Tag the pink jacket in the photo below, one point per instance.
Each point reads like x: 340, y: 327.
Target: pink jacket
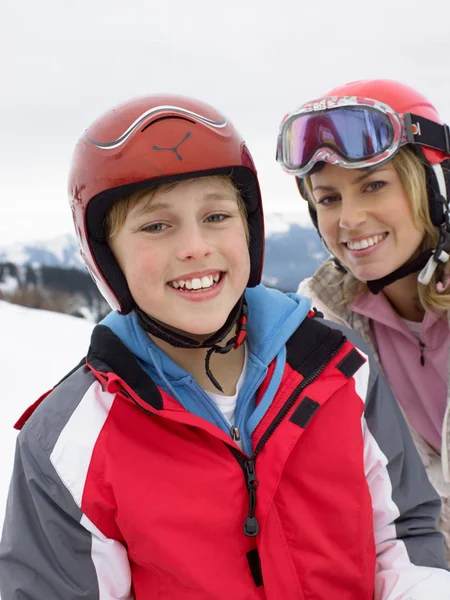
x: 415, y: 368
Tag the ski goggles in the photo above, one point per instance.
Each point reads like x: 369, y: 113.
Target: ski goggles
x: 352, y: 132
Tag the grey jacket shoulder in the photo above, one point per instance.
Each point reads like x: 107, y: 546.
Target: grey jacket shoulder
x: 52, y: 415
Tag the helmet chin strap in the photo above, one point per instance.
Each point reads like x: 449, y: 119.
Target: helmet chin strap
x: 238, y: 317
x: 376, y: 285
x: 427, y: 262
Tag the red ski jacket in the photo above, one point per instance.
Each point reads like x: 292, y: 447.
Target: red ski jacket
x: 131, y: 496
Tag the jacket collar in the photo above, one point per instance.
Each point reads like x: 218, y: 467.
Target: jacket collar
x: 107, y: 354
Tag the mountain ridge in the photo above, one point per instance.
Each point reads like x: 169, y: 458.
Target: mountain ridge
x: 293, y: 251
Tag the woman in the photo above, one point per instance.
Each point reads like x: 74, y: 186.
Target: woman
x: 372, y: 159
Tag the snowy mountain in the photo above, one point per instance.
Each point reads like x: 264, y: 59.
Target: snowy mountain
x: 58, y: 252
x: 293, y: 251
x: 291, y: 256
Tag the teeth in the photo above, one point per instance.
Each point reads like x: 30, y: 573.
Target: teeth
x: 197, y: 283
x: 366, y: 243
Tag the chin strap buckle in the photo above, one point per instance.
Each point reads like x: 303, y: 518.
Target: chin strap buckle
x: 427, y: 272
x: 439, y: 257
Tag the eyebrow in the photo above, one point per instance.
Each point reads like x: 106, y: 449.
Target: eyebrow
x: 367, y: 173
x: 150, y: 207
x: 217, y: 196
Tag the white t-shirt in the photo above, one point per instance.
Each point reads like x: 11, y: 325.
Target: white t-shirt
x: 414, y: 327
x: 227, y: 404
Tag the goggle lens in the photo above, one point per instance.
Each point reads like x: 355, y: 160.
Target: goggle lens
x: 356, y: 133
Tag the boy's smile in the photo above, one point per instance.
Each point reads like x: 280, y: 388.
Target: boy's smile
x: 184, y: 253
x: 197, y: 287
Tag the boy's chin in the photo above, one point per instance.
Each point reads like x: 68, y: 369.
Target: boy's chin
x: 201, y: 332
x: 200, y: 328
x: 192, y: 327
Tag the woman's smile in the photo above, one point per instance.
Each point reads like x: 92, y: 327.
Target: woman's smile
x: 365, y: 219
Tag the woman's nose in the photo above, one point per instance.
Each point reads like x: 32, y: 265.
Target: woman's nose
x: 353, y: 214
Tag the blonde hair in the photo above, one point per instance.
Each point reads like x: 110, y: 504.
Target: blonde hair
x: 117, y: 214
x: 411, y: 172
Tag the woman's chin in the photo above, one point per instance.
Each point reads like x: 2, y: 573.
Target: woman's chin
x: 366, y: 276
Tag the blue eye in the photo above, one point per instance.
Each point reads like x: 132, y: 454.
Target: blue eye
x: 155, y: 227
x: 217, y: 218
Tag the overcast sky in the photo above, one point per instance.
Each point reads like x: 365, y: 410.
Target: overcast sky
x: 64, y: 63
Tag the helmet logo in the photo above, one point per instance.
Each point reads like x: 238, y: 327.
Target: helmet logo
x: 175, y: 148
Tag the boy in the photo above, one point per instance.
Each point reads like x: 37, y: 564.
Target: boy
x: 218, y: 441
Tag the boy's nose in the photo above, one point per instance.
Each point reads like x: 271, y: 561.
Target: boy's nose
x: 193, y: 244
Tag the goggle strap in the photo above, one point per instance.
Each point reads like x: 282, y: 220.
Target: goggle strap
x: 425, y: 132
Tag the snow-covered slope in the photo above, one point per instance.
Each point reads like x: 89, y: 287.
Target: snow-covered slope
x: 37, y: 348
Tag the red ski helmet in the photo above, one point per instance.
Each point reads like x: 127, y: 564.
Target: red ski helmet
x: 139, y: 144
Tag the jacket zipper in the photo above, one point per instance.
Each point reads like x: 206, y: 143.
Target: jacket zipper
x: 422, y: 349
x: 251, y: 525
x: 235, y: 433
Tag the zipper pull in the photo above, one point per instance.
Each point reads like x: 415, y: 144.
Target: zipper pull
x: 251, y: 526
x: 235, y: 433
x: 422, y: 357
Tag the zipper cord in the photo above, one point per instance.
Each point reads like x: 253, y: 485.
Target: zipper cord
x: 251, y: 526
x: 422, y: 349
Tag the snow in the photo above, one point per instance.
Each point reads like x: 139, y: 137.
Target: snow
x: 9, y: 285
x: 59, y: 244
x: 37, y: 348
x: 15, y: 253
x: 281, y: 222
x: 63, y: 248
x: 270, y: 281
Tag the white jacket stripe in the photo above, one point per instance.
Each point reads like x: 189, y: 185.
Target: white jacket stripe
x: 73, y: 450
x: 111, y: 565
